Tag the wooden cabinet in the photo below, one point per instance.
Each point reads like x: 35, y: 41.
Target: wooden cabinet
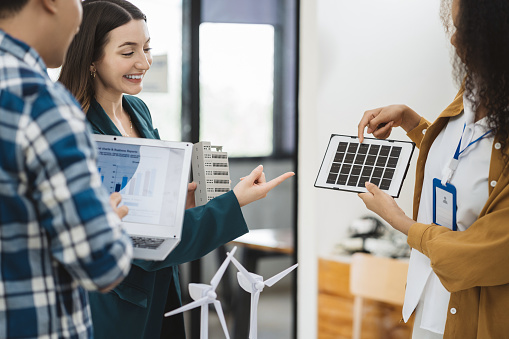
x: 335, y: 308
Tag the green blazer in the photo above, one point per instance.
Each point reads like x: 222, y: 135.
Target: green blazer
x: 135, y: 308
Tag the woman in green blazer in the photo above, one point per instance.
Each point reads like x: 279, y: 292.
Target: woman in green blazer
x: 107, y: 59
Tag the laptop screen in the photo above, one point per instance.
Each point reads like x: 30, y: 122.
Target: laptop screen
x: 147, y: 177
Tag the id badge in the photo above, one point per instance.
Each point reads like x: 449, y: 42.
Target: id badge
x: 444, y: 204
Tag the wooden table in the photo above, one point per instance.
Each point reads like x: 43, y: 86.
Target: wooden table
x: 270, y: 240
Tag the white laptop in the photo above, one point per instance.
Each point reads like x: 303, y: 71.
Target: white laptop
x: 152, y: 177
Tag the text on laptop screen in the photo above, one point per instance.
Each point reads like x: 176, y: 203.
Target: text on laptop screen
x: 147, y: 177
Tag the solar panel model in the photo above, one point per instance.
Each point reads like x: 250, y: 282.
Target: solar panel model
x: 348, y: 164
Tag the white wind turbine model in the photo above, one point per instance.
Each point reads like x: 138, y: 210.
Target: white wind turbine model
x: 254, y: 284
x: 203, y: 295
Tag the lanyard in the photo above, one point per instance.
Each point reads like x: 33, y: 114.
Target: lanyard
x: 458, y: 153
x: 453, y: 164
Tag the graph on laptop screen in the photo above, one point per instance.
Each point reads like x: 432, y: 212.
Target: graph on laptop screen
x: 140, y: 174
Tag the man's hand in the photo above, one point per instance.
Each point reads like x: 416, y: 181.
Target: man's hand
x: 111, y: 286
x: 255, y: 186
x: 115, y: 199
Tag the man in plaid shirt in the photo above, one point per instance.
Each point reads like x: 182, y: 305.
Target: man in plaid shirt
x: 59, y: 234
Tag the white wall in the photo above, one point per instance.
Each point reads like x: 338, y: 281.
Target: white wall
x: 355, y: 56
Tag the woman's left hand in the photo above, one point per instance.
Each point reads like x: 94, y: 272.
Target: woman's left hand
x: 191, y: 187
x: 384, y: 205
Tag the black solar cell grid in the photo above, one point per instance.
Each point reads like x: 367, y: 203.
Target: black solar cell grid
x: 355, y: 164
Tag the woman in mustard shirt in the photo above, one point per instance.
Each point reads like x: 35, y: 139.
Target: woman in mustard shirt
x: 104, y: 67
x: 458, y: 278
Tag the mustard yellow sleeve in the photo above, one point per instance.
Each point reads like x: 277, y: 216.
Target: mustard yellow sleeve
x: 475, y: 257
x: 417, y: 235
x: 416, y: 134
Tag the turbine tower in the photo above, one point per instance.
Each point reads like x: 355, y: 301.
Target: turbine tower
x: 254, y: 284
x: 203, y: 295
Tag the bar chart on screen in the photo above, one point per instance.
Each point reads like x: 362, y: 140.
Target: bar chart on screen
x: 139, y: 182
x: 129, y: 181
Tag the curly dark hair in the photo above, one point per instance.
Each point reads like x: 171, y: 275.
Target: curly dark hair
x: 481, y: 38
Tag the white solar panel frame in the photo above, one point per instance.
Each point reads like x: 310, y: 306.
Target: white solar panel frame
x: 407, y: 149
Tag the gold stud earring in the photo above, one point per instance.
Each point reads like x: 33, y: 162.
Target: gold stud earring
x: 92, y: 74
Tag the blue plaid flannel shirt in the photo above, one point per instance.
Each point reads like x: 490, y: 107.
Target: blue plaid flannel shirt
x: 58, y: 234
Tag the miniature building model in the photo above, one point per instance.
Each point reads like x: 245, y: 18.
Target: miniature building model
x: 210, y: 171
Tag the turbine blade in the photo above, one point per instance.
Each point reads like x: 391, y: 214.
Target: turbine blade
x: 219, y: 274
x: 187, y: 307
x: 197, y: 291
x: 243, y: 270
x: 279, y: 276
x: 244, y: 283
x: 220, y: 314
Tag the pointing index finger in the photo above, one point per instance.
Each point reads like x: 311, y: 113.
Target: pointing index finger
x: 362, y: 125
x: 366, y: 120
x: 276, y: 181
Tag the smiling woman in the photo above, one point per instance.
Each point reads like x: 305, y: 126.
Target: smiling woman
x: 104, y: 69
x: 117, y: 64
x: 120, y: 69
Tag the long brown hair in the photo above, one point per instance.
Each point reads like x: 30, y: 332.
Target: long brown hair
x: 99, y: 18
